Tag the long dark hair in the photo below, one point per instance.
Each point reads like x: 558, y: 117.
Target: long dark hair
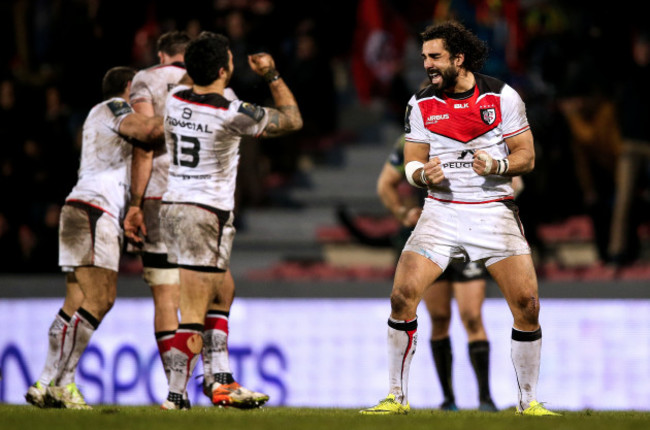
x: 459, y: 40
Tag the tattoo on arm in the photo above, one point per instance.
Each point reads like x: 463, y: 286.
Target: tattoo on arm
x: 273, y: 124
x: 282, y: 120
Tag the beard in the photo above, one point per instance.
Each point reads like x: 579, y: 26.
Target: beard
x: 449, y: 78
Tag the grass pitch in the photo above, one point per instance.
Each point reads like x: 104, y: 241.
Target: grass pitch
x: 281, y: 418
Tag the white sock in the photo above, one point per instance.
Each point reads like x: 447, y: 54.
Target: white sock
x: 402, y: 340
x: 55, y: 345
x: 215, y: 345
x: 80, y: 330
x: 163, y: 341
x: 185, y: 347
x: 526, y: 349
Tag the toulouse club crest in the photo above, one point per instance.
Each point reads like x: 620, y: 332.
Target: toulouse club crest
x: 488, y: 115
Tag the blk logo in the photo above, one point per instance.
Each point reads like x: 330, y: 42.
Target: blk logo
x: 463, y: 154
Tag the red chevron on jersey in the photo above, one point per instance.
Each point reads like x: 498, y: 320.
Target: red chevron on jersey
x: 462, y: 120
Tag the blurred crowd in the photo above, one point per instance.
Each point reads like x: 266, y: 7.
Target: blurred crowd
x: 582, y: 71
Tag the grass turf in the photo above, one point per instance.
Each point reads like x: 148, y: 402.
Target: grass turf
x: 281, y: 418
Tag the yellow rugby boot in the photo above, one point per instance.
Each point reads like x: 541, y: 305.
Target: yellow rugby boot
x: 387, y: 406
x: 535, y: 409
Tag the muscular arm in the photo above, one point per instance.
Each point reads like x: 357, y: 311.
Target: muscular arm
x: 142, y: 161
x: 521, y: 159
x: 148, y: 130
x: 522, y: 154
x: 141, y: 166
x: 387, y: 184
x: 432, y: 169
x: 144, y: 126
x: 285, y: 117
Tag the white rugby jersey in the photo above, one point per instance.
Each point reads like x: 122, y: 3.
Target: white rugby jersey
x: 202, y: 133
x: 105, y: 167
x: 455, y: 129
x: 152, y: 85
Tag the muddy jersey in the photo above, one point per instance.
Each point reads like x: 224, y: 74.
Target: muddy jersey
x: 455, y: 128
x: 152, y: 85
x: 105, y: 167
x: 202, y: 134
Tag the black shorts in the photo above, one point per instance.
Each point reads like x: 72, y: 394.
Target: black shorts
x: 463, y: 272
x: 156, y: 261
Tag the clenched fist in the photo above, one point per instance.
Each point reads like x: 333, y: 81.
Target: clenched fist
x: 432, y: 173
x: 261, y: 63
x: 484, y: 164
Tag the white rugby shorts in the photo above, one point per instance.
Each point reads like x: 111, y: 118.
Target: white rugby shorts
x: 198, y: 237
x: 487, y: 231
x: 88, y: 236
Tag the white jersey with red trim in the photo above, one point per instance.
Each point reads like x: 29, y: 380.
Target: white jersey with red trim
x: 153, y: 85
x: 202, y: 133
x: 455, y: 128
x: 105, y: 166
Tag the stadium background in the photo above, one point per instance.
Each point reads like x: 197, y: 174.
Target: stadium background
x: 309, y: 322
